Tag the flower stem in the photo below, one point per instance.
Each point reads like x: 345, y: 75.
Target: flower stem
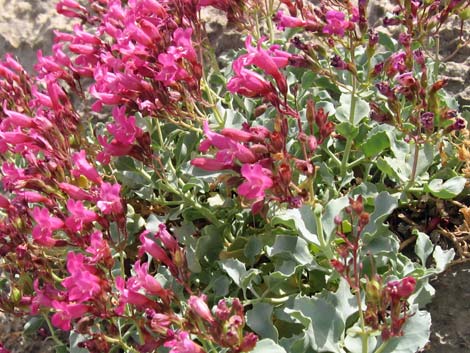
x: 349, y: 141
x: 317, y: 213
x: 52, y: 331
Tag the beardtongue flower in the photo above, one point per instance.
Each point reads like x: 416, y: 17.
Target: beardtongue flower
x: 109, y: 199
x: 182, y: 343
x: 248, y: 83
x: 199, y: 307
x: 82, y: 284
x: 257, y: 181
x: 336, y: 23
x: 46, y: 224
x: 79, y: 216
x: 66, y: 312
x: 84, y: 168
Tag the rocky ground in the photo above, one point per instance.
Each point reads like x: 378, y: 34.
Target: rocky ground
x: 27, y: 26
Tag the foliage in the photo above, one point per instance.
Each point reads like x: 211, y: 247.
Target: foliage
x: 158, y: 198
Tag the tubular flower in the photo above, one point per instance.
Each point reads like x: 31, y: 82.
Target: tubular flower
x: 257, y: 181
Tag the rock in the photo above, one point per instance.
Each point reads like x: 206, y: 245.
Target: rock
x: 27, y: 26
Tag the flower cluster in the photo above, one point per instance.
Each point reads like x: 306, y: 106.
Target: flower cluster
x: 387, y: 307
x: 268, y: 170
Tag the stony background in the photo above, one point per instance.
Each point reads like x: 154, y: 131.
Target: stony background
x: 27, y: 26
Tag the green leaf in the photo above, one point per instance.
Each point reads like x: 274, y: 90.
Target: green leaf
x: 235, y: 269
x: 384, y: 206
x: 353, y: 342
x: 361, y: 109
x: 343, y: 300
x: 210, y: 244
x: 442, y: 258
x: 416, y: 334
x: 375, y: 144
x: 292, y: 247
x: 387, y: 41
x: 260, y: 320
x: 423, y: 246
x: 332, y: 209
x: 448, y: 189
x: 32, y: 326
x: 347, y: 130
x: 268, y: 346
x: 324, y: 323
x: 303, y: 220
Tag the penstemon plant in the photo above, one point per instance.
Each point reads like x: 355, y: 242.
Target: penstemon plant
x: 157, y: 198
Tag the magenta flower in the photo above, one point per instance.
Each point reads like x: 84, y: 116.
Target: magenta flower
x: 248, y: 83
x: 84, y: 168
x: 210, y: 164
x: 45, y: 225
x: 270, y: 61
x: 258, y: 180
x: 155, y: 250
x: 66, y: 312
x: 336, y: 24
x: 82, y: 284
x: 124, y: 129
x: 199, y: 307
x: 75, y: 192
x: 181, y: 343
x: 144, y: 280
x: 284, y: 21
x: 213, y: 139
x: 79, y: 216
x: 99, y: 248
x: 166, y: 238
x: 110, y: 200
x: 129, y: 295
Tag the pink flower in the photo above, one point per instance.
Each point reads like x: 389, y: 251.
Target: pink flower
x: 110, y: 200
x: 82, y: 284
x: 284, y: 21
x: 210, y: 164
x: 45, y: 225
x: 248, y: 83
x: 199, y: 307
x: 124, y: 129
x: 84, y: 168
x: 213, y: 139
x: 129, y: 295
x: 258, y: 180
x: 144, y: 280
x: 151, y: 247
x: 166, y: 238
x: 336, y: 24
x: 268, y: 61
x: 181, y: 343
x: 79, y: 216
x: 99, y: 248
x: 74, y: 191
x: 66, y: 312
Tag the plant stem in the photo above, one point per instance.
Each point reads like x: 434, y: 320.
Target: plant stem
x: 364, y: 335
x: 352, y: 111
x: 317, y: 213
x: 349, y: 141
x: 123, y: 344
x: 382, y: 347
x: 51, y: 329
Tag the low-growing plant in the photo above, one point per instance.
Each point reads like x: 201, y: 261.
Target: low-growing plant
x: 158, y: 198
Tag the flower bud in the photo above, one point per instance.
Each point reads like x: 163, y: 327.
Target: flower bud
x: 199, y: 307
x: 406, y: 287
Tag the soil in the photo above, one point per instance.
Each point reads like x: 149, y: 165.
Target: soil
x: 449, y: 310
